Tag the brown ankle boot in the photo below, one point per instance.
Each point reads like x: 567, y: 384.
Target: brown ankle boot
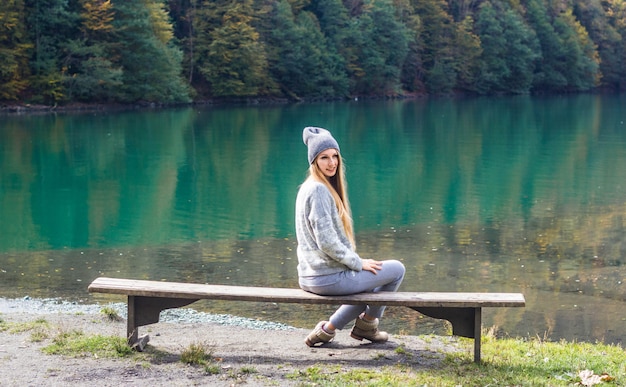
x: 319, y: 335
x: 364, y: 329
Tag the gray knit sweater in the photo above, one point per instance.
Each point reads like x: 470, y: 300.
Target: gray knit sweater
x: 323, y: 247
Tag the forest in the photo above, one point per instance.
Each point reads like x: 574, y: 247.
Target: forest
x: 57, y: 52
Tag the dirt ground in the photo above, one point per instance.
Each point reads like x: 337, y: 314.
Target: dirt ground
x: 244, y: 356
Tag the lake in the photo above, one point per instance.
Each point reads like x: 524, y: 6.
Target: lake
x: 511, y: 194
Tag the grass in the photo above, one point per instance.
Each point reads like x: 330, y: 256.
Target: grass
x: 201, y: 355
x: 70, y: 343
x: 22, y: 327
x: 196, y: 354
x: 247, y: 370
x: 506, y: 362
x: 111, y: 314
x: 39, y: 329
x: 77, y: 344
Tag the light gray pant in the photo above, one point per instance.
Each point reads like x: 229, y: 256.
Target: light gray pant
x: 347, y: 282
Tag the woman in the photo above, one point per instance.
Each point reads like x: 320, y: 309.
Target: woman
x: 327, y: 261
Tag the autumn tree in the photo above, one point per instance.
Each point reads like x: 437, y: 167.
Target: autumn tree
x: 14, y: 50
x: 231, y: 59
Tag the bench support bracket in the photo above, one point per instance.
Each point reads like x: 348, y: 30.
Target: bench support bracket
x: 146, y: 310
x: 466, y: 322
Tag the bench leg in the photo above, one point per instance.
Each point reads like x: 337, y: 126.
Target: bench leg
x: 466, y: 322
x: 477, y: 333
x: 144, y: 311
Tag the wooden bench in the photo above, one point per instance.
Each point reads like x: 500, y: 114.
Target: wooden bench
x: 146, y: 300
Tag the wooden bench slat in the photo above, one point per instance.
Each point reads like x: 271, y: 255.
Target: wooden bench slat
x: 146, y: 288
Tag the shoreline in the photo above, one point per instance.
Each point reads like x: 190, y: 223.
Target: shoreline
x: 19, y: 108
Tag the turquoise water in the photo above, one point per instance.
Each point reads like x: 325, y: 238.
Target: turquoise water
x: 513, y: 194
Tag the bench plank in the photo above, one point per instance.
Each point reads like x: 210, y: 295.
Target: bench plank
x: 146, y: 300
x: 291, y: 295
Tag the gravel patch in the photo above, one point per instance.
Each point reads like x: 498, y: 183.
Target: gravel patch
x: 179, y: 315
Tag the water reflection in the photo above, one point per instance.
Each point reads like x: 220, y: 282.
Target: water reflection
x: 513, y: 194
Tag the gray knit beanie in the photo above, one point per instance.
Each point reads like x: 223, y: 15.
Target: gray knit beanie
x: 318, y: 140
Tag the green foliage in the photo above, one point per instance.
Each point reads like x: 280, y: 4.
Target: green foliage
x: 467, y: 52
x: 88, y: 73
x: 580, y: 57
x: 14, y: 50
x: 382, y: 47
x: 51, y: 23
x: 151, y: 64
x: 604, y: 22
x: 58, y: 51
x: 616, y: 19
x: 521, y: 53
x: 412, y: 68
x: 494, y: 67
x: 302, y: 60
x: 550, y: 74
x: 437, y: 34
x: 235, y: 64
x: 510, y: 51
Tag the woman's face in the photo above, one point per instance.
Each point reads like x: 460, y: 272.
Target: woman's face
x: 328, y: 161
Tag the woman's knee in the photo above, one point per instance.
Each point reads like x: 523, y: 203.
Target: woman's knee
x: 395, y: 266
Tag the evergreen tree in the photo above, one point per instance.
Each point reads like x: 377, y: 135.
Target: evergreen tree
x: 437, y: 34
x: 333, y: 19
x: 90, y: 75
x: 14, y: 50
x: 233, y: 59
x: 521, y: 52
x: 461, y: 9
x: 467, y: 51
x: 338, y: 22
x: 602, y: 27
x: 494, y: 69
x: 143, y: 49
x: 182, y: 15
x: 510, y: 50
x: 412, y: 68
x: 579, y: 54
x: 382, y: 47
x: 52, y: 23
x: 618, y: 19
x: 551, y: 73
x: 303, y: 63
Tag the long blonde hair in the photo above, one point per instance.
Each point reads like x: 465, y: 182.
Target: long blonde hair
x: 338, y: 188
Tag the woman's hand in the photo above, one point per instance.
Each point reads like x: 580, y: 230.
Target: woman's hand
x: 371, y: 265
